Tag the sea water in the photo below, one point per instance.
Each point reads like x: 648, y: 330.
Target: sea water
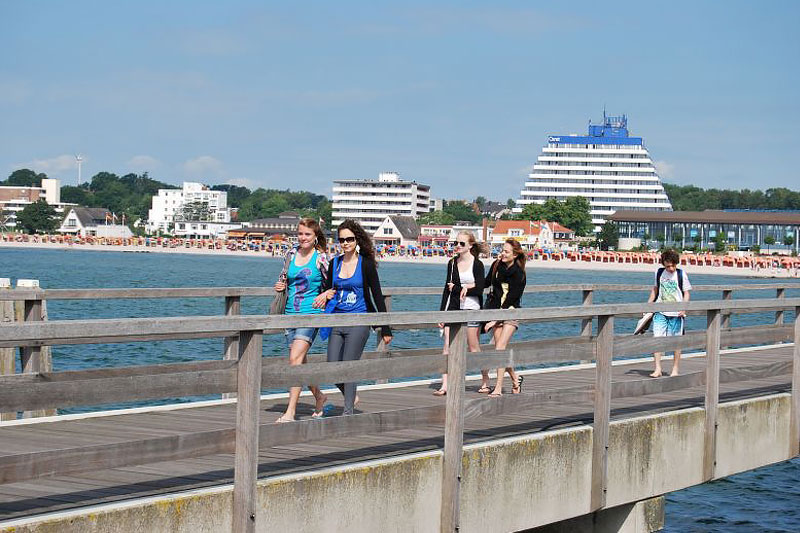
x: 767, y: 499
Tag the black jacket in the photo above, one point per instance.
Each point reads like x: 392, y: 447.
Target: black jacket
x: 373, y: 296
x: 516, y: 279
x: 453, y: 277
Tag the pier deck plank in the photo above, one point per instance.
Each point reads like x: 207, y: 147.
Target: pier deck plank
x: 103, y: 486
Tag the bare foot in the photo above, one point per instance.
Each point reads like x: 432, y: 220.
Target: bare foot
x: 356, y: 401
x: 320, y: 402
x: 484, y: 389
x: 284, y: 419
x: 495, y: 394
x: 673, y: 373
x: 656, y: 374
x: 440, y: 392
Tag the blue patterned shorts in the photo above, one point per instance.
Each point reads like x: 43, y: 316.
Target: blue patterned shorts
x: 667, y: 326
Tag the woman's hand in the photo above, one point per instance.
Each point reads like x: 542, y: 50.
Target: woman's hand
x: 279, y: 286
x: 450, y: 286
x: 464, y: 293
x: 387, y: 339
x: 322, y: 299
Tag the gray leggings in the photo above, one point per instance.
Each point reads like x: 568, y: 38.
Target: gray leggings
x: 347, y: 344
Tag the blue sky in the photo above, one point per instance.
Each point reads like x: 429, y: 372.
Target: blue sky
x: 459, y: 95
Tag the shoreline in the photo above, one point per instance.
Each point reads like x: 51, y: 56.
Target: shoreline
x: 533, y: 264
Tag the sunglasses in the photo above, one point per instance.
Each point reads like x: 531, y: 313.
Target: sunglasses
x: 460, y: 243
x: 343, y: 240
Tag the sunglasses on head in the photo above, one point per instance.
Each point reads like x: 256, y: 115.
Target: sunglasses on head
x: 460, y: 243
x: 343, y: 240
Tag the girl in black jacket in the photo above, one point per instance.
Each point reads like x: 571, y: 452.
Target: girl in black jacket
x: 352, y: 287
x: 463, y: 289
x: 506, y: 283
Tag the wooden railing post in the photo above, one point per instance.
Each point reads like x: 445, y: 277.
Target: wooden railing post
x: 381, y: 346
x: 31, y: 360
x: 794, y: 431
x: 8, y: 363
x: 780, y: 315
x: 247, y: 417
x: 726, y: 317
x: 454, y: 428
x: 602, y: 410
x: 233, y: 306
x: 712, y: 392
x: 586, y: 323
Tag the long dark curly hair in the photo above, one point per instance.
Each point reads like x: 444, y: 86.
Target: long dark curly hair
x: 364, y: 241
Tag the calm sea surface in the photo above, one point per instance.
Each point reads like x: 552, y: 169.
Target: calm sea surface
x: 765, y: 500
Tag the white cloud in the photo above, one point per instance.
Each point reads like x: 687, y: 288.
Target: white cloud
x: 52, y: 166
x: 665, y: 170
x: 143, y: 163
x: 204, y: 166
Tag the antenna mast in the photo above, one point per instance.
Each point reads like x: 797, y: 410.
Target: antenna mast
x: 79, y: 160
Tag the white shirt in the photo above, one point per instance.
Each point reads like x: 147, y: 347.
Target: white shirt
x: 468, y: 278
x: 668, y: 289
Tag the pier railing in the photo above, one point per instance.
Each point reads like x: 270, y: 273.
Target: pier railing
x: 248, y: 373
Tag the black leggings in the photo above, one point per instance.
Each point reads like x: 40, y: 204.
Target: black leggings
x: 347, y: 344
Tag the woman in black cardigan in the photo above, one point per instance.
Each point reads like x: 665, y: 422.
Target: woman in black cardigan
x: 463, y: 289
x: 506, y: 284
x: 352, y: 286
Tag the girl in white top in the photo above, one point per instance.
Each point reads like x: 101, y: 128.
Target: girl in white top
x: 463, y: 290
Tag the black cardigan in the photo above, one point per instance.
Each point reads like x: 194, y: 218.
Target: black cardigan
x: 369, y: 278
x: 516, y: 279
x: 453, y: 277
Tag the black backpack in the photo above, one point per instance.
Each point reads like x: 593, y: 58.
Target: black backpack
x: 658, y: 281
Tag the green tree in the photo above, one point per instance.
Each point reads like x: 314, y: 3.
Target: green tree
x: 437, y: 218
x: 769, y: 240
x: 720, y: 242
x: 788, y: 240
x: 38, y: 217
x: 510, y: 203
x: 24, y: 177
x: 461, y: 212
x: 574, y: 213
x: 480, y: 201
x: 236, y: 194
x: 76, y: 195
x: 609, y: 236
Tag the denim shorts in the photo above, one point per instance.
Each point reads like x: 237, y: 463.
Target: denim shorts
x: 304, y: 334
x: 667, y: 326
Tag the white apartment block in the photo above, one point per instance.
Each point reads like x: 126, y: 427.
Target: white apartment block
x: 14, y: 199
x: 370, y: 201
x: 168, y: 206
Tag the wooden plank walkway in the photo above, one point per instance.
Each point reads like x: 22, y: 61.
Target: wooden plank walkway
x: 103, y: 486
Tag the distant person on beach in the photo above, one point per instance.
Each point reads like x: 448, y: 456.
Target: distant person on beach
x: 671, y: 285
x: 305, y: 269
x: 352, y: 286
x: 463, y: 290
x: 506, y: 282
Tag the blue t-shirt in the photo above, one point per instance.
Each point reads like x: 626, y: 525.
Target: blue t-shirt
x: 304, y: 284
x: 349, y: 291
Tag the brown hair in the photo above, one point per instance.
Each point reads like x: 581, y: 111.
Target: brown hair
x: 475, y: 248
x: 519, y: 253
x: 670, y: 256
x: 363, y: 240
x: 322, y: 243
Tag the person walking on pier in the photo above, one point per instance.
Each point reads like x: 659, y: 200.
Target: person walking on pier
x: 463, y: 289
x: 671, y: 285
x: 506, y: 283
x: 352, y: 286
x: 305, y: 268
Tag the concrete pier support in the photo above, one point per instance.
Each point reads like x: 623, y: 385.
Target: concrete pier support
x: 646, y: 516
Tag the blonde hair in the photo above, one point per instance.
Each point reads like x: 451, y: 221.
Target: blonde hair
x: 475, y: 248
x: 321, y: 243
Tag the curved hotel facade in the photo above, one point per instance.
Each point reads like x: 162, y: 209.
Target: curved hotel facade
x: 608, y: 167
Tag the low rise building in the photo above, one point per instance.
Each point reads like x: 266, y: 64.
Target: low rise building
x: 203, y: 229
x: 14, y: 199
x: 531, y: 234
x: 283, y: 227
x: 192, y: 202
x: 397, y: 231
x: 94, y: 222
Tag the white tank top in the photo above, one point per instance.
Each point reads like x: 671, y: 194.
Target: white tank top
x: 468, y: 278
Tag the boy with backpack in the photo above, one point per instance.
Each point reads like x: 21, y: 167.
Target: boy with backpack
x: 671, y: 285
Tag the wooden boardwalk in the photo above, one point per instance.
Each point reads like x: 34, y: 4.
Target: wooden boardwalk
x: 111, y: 485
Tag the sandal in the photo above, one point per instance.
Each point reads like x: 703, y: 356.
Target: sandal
x: 485, y: 389
x: 516, y: 389
x: 495, y: 394
x: 440, y: 392
x: 283, y: 419
x: 327, y: 410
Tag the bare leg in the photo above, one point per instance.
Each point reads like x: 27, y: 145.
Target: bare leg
x: 445, y: 351
x: 501, y: 337
x: 474, y: 344
x: 657, y: 372
x: 676, y: 364
x: 298, y: 353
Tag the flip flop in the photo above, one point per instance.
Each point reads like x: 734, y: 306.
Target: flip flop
x: 283, y: 420
x: 327, y: 410
x: 495, y: 394
x: 485, y: 389
x: 516, y: 389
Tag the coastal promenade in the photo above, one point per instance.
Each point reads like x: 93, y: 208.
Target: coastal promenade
x: 581, y: 440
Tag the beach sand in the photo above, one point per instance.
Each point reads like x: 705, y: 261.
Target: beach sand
x: 534, y: 264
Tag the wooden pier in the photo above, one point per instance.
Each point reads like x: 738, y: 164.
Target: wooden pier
x: 60, y: 463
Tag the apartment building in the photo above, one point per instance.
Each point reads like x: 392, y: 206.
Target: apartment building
x: 193, y: 202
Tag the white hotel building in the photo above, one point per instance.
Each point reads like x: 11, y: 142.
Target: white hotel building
x: 168, y: 204
x: 607, y: 167
x: 370, y: 201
